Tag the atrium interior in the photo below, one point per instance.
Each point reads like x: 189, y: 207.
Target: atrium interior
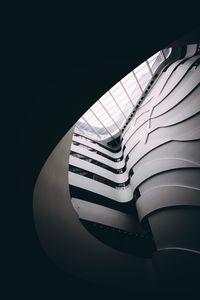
x: 124, y: 183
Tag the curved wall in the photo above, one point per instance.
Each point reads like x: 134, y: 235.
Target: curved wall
x: 166, y: 165
x: 162, y: 141
x: 167, y: 116
x: 68, y: 243
x: 162, y: 144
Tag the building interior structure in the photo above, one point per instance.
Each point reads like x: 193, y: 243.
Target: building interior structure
x: 116, y: 200
x: 135, y: 187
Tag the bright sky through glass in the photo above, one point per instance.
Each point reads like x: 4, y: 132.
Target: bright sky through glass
x: 107, y: 116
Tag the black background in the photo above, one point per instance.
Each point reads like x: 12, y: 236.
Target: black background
x: 53, y: 56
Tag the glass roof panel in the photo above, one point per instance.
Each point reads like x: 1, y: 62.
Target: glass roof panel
x: 107, y: 116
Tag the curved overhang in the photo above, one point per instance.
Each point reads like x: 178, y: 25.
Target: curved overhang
x: 68, y: 243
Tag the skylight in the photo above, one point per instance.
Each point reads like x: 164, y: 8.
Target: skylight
x: 107, y: 116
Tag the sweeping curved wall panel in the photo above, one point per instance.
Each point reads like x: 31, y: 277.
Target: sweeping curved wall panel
x: 174, y: 116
